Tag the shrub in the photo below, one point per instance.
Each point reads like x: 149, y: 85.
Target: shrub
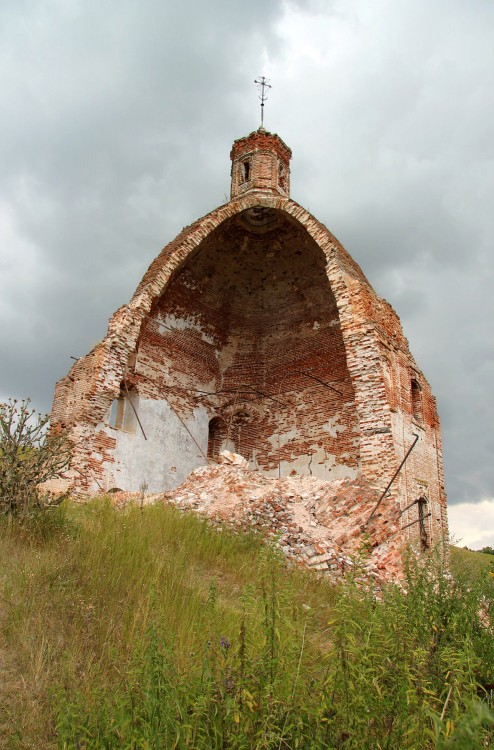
x: 30, y: 455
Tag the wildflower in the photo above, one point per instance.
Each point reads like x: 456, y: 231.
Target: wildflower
x: 225, y: 643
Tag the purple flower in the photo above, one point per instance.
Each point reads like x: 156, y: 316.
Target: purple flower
x: 225, y: 643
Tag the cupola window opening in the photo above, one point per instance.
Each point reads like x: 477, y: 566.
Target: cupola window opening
x: 245, y: 171
x: 281, y: 175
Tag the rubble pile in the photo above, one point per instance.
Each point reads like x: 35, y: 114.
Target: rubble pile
x: 319, y: 524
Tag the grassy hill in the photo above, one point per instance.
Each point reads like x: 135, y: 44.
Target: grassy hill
x: 469, y: 564
x: 148, y: 628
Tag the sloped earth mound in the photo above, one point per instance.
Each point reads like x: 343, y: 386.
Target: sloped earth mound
x: 318, y: 524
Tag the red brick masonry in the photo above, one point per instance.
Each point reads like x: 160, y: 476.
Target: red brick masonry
x: 255, y: 331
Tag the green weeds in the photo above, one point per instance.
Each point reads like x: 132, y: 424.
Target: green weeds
x: 148, y: 628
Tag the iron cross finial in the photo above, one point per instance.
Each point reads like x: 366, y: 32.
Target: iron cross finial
x: 262, y: 85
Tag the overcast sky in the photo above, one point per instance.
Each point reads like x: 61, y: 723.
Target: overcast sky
x: 116, y: 121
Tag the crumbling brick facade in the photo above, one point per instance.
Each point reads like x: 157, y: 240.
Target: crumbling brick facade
x: 255, y: 331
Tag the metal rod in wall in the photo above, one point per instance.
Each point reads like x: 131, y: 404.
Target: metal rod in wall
x: 407, y: 507
x: 393, y: 478
x: 417, y: 520
x: 133, y: 408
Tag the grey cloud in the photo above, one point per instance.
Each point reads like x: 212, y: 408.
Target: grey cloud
x: 110, y: 116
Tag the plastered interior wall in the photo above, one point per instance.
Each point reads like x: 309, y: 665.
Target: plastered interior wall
x: 244, y: 333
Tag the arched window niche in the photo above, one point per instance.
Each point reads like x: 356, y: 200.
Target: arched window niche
x: 282, y: 176
x: 245, y: 171
x: 233, y: 433
x: 123, y: 411
x: 417, y: 405
x: 424, y: 514
x: 217, y: 435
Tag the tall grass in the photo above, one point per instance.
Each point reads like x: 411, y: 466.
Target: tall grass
x: 148, y: 628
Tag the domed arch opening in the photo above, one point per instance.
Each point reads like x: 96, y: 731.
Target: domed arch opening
x: 249, y: 324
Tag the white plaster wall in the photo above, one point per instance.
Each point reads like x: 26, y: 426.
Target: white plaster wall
x: 167, y: 456
x: 318, y: 464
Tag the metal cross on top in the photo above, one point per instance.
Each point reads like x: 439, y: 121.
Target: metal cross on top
x: 262, y: 85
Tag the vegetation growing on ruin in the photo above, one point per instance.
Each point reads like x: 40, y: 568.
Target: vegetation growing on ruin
x: 147, y: 628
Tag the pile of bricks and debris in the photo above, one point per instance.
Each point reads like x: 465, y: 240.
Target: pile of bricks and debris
x: 318, y: 524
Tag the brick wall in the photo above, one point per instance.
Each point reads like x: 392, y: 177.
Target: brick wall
x: 255, y: 330
x: 261, y: 161
x: 252, y: 320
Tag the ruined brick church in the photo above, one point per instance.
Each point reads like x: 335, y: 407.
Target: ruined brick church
x: 255, y: 331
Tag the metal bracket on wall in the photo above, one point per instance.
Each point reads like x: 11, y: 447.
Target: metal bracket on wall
x: 417, y: 520
x: 410, y: 505
x: 422, y: 504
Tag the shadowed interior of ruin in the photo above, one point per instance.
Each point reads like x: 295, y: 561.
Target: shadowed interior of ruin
x: 247, y: 329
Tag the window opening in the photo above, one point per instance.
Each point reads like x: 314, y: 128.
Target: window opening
x: 117, y: 407
x: 123, y: 411
x: 424, y: 539
x: 245, y: 173
x: 281, y: 176
x: 416, y: 401
x: 216, y: 437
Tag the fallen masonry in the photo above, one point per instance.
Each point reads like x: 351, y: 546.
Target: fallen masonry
x: 318, y: 524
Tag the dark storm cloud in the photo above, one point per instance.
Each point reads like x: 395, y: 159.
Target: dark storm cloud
x: 116, y: 125
x: 111, y: 119
x: 393, y: 150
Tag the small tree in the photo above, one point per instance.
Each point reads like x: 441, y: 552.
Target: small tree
x: 30, y: 454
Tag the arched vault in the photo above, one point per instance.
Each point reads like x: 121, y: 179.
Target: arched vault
x: 253, y: 330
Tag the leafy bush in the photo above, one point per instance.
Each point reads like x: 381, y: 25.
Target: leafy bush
x: 30, y: 455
